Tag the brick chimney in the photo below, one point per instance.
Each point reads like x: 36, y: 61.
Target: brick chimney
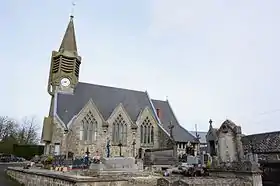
x: 158, y: 113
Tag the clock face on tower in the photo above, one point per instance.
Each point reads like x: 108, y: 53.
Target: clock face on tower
x: 65, y: 82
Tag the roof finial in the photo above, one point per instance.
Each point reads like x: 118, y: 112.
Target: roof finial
x: 72, y: 10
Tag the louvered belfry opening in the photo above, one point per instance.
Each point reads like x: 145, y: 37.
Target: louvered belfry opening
x: 77, y: 68
x: 56, y: 62
x: 66, y: 65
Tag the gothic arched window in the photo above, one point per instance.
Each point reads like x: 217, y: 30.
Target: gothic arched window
x: 152, y: 134
x: 89, y: 128
x: 142, y: 134
x: 119, y: 131
x: 147, y: 132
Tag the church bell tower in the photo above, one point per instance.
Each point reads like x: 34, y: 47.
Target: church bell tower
x: 63, y: 77
x: 65, y: 64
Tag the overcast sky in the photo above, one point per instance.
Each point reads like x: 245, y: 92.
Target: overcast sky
x: 213, y: 59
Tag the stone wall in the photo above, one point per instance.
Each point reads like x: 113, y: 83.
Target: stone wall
x: 207, y: 181
x: 248, y: 178
x: 35, y: 177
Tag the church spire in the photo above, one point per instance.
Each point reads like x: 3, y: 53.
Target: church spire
x: 65, y: 63
x: 69, y: 40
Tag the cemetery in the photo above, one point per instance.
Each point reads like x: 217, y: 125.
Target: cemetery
x: 158, y: 167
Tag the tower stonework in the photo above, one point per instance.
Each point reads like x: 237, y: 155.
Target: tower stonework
x: 65, y: 64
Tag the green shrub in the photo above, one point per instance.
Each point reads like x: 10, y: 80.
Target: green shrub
x: 48, y: 160
x: 208, y: 165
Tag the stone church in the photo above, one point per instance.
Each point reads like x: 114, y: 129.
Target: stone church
x: 86, y: 116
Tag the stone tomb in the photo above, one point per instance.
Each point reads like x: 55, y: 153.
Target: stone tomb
x: 159, y: 157
x: 114, y: 167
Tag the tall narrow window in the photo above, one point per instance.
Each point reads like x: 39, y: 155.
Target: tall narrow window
x: 125, y: 133
x: 152, y: 134
x: 141, y: 134
x: 81, y: 132
x: 114, y: 132
x: 89, y: 125
x: 90, y: 131
x: 95, y: 131
x: 85, y: 130
x: 147, y: 132
x: 119, y: 131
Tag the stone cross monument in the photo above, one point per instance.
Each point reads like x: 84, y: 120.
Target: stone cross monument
x: 171, y: 127
x: 108, y: 148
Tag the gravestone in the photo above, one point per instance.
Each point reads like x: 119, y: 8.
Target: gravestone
x: 120, y: 164
x: 159, y: 157
x: 192, y: 160
x: 229, y: 142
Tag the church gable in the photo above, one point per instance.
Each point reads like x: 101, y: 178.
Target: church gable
x: 148, y: 128
x: 120, y: 126
x: 120, y: 111
x: 89, y: 123
x: 146, y: 112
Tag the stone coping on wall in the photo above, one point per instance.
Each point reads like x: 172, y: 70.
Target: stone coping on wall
x: 72, y: 177
x: 234, y: 171
x: 202, y: 181
x: 151, y: 180
x: 15, y: 163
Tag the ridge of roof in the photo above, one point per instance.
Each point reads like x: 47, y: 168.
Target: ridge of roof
x: 264, y: 133
x: 154, y: 111
x: 113, y: 87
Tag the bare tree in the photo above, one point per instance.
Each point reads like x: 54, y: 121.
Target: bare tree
x: 8, y: 127
x: 28, y: 131
x: 24, y: 132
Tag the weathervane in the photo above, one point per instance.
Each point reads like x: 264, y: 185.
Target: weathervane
x: 72, y: 10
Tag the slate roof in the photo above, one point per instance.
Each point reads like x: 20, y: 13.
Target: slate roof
x: 166, y: 115
x: 105, y: 98
x: 202, y: 136
x: 262, y: 143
